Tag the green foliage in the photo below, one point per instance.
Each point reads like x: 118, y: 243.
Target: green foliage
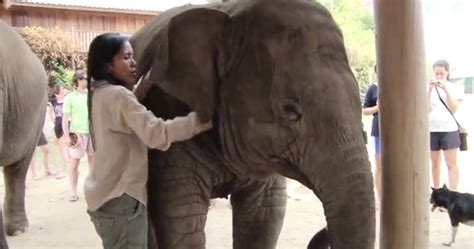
x: 55, y: 50
x: 62, y: 75
x: 357, y: 24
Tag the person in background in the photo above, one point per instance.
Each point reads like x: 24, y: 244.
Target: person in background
x: 75, y: 120
x: 122, y: 130
x: 371, y: 108
x: 43, y: 144
x: 444, y: 132
x: 56, y: 115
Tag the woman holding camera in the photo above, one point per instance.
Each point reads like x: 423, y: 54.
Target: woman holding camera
x: 444, y: 131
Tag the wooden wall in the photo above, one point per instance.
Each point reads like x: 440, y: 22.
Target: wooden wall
x: 81, y: 25
x: 74, y: 19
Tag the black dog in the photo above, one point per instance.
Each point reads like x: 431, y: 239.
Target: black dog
x: 460, y: 208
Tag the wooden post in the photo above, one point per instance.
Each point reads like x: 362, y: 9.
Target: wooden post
x: 403, y: 105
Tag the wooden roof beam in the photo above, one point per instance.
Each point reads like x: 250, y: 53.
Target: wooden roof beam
x: 65, y: 7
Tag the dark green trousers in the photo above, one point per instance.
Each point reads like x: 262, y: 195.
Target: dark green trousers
x: 121, y: 223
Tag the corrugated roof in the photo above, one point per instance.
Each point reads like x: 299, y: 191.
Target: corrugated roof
x: 134, y: 5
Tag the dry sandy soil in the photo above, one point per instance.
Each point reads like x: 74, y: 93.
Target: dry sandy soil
x: 57, y: 223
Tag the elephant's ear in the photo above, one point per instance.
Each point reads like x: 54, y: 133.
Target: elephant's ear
x: 187, y: 68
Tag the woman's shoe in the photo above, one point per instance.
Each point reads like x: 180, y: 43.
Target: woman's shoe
x: 73, y: 198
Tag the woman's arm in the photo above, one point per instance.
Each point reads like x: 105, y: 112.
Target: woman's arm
x: 143, y: 85
x: 370, y: 110
x: 430, y: 107
x: 156, y: 132
x: 51, y: 112
x: 65, y: 125
x: 451, y: 101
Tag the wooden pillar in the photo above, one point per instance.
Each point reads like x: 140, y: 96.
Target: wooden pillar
x: 404, y: 124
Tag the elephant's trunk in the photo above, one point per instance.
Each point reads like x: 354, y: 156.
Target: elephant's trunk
x: 345, y: 187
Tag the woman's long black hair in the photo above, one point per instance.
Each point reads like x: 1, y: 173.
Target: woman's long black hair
x: 101, y: 52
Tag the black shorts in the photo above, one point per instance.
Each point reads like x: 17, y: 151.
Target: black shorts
x: 58, y: 131
x: 42, y: 140
x: 444, y: 140
x: 58, y: 128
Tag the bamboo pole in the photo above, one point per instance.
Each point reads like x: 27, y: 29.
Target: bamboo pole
x: 404, y: 124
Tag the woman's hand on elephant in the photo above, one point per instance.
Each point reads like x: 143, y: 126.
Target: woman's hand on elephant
x: 201, y: 126
x: 205, y: 126
x: 143, y: 85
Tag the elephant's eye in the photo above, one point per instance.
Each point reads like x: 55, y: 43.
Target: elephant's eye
x: 292, y: 110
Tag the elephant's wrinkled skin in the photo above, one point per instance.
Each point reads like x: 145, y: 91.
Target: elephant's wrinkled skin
x: 274, y: 77
x: 23, y: 102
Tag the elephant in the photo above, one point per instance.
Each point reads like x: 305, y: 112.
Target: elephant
x: 274, y: 78
x: 23, y: 102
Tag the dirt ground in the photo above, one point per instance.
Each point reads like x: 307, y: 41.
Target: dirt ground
x: 57, y: 223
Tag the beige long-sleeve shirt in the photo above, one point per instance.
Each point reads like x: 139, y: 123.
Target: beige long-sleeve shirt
x: 123, y: 129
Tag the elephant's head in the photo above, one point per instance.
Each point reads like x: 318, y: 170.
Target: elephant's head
x: 275, y: 76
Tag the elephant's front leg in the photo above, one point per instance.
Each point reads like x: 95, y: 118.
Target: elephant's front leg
x: 258, y: 211
x: 16, y: 221
x: 177, y: 203
x: 3, y: 240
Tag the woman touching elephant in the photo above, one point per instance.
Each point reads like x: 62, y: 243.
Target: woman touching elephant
x: 121, y: 130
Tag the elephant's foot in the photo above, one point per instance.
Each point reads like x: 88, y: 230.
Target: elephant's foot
x: 16, y: 226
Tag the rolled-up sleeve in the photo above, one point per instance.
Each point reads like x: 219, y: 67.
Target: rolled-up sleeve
x: 152, y: 131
